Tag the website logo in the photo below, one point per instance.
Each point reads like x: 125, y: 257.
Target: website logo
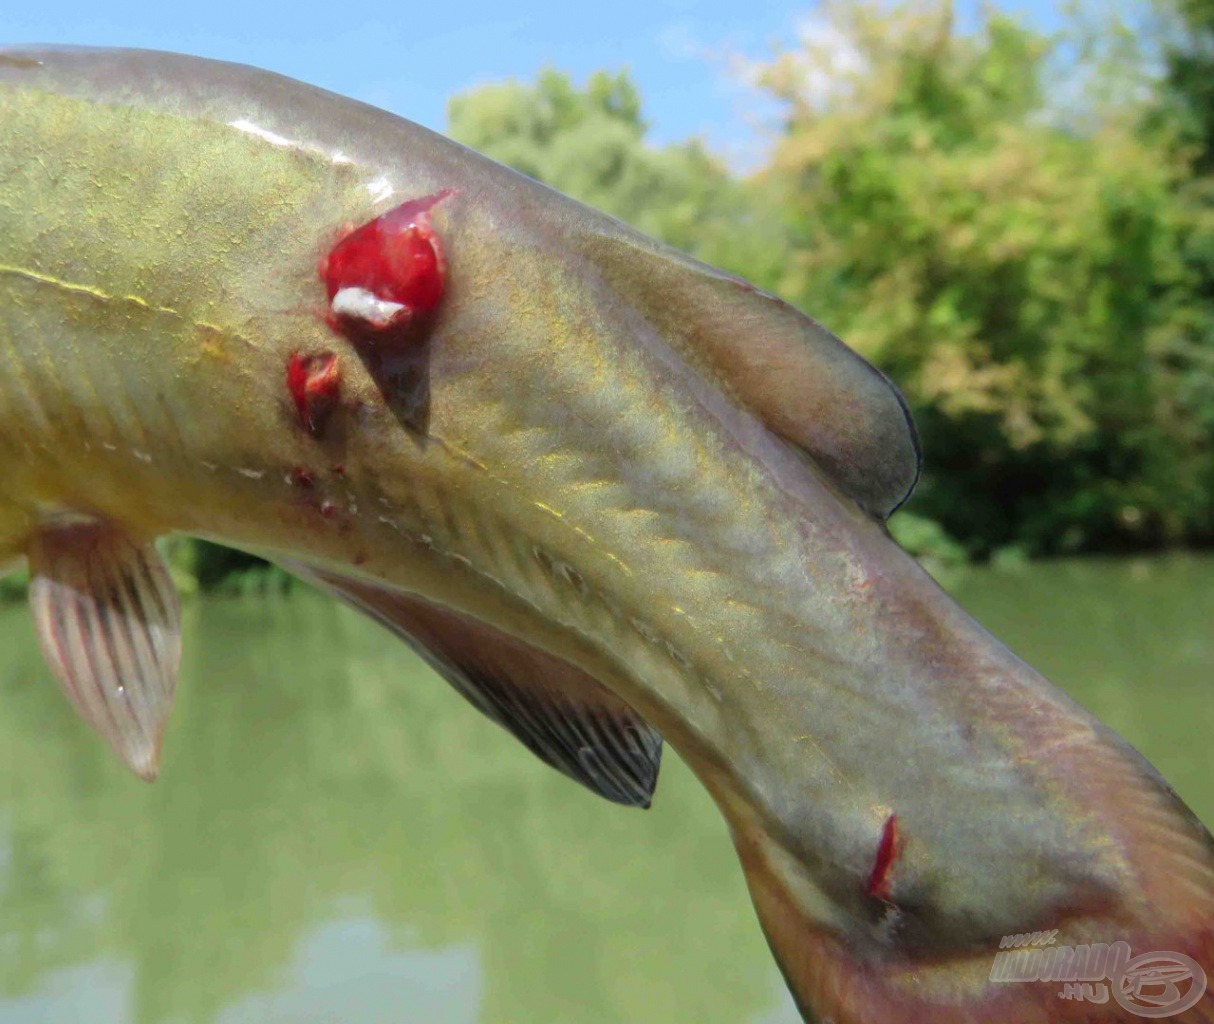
x: 1153, y: 985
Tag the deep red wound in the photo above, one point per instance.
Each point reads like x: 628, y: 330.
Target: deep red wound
x: 396, y: 258
x: 879, y: 883
x: 314, y: 383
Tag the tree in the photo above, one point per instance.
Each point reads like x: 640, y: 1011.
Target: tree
x: 1189, y: 82
x: 1019, y: 272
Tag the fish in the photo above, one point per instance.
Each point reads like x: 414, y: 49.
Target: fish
x: 617, y: 498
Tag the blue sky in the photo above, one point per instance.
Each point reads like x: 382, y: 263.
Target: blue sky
x: 410, y: 57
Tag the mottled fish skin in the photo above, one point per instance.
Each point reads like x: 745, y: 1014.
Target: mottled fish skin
x: 584, y: 479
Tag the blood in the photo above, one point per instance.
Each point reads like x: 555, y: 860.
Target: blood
x: 302, y: 478
x: 314, y: 382
x: 878, y: 885
x: 396, y: 258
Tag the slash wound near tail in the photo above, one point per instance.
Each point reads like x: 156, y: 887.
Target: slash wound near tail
x: 879, y: 884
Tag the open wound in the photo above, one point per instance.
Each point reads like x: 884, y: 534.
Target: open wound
x: 385, y: 276
x: 880, y: 882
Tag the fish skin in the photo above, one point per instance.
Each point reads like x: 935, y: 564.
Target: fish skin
x: 161, y: 219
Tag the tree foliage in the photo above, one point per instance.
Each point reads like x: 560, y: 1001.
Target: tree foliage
x: 1022, y: 277
x: 590, y: 143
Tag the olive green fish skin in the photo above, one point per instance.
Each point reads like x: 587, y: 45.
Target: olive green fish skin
x: 579, y: 482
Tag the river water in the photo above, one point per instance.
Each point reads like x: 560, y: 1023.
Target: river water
x: 336, y: 837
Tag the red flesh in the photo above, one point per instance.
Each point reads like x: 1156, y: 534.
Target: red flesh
x: 878, y: 885
x: 398, y: 258
x: 314, y: 383
x: 302, y: 478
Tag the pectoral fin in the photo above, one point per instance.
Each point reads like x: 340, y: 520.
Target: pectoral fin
x: 564, y: 716
x: 790, y: 371
x: 109, y: 622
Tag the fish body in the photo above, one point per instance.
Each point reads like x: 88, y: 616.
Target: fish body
x: 611, y: 493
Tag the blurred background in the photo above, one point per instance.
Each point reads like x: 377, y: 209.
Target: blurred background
x: 1008, y: 207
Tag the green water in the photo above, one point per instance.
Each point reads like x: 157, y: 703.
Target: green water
x: 337, y: 838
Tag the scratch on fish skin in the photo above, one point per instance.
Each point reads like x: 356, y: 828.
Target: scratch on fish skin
x: 93, y: 292
x: 888, y: 848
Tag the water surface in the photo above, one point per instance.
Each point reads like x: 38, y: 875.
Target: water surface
x: 337, y: 837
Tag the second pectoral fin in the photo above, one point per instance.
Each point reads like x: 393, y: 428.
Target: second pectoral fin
x: 109, y: 624
x: 564, y: 716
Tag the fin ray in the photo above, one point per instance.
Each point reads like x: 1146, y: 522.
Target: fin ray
x: 109, y: 623
x: 562, y: 715
x: 802, y: 381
